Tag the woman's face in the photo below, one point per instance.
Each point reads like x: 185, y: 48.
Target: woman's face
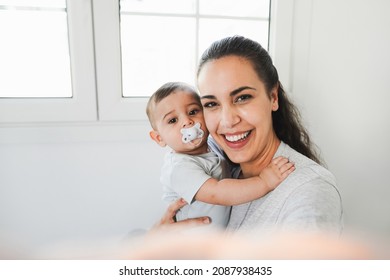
x: 238, y: 109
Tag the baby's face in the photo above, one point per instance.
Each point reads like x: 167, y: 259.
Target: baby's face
x: 177, y: 111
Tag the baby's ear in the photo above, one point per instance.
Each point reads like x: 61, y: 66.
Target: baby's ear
x: 156, y: 137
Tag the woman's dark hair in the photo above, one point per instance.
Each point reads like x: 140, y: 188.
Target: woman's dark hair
x: 286, y: 120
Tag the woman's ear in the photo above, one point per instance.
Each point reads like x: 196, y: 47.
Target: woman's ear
x: 156, y: 137
x: 275, y: 98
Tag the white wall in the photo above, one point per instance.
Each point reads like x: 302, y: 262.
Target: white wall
x: 96, y: 180
x: 75, y: 182
x: 341, y: 81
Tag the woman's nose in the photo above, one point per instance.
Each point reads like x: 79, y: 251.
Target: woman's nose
x: 229, y: 118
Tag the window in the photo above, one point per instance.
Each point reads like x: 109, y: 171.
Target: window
x: 164, y: 39
x: 47, y: 62
x: 34, y: 35
x: 117, y: 52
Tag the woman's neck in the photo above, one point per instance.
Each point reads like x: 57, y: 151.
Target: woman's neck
x: 254, y: 167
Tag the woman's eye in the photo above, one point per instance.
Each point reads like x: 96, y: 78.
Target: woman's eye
x: 243, y: 98
x: 209, y: 104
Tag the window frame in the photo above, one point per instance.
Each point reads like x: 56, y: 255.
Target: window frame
x: 280, y: 39
x: 112, y: 105
x: 82, y: 105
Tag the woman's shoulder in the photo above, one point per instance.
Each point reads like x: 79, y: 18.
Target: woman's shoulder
x: 306, y: 169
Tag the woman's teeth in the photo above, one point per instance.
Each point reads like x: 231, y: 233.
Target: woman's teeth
x: 238, y: 137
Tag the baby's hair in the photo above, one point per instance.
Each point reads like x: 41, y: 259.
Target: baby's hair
x: 166, y: 90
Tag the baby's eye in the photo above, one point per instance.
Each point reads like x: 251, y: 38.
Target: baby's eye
x: 193, y: 112
x: 243, y: 98
x: 172, y: 121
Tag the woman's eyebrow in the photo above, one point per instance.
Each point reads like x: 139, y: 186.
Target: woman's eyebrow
x: 232, y: 93
x: 238, y: 90
x: 208, y: 97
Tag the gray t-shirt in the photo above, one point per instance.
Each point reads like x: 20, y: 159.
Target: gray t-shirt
x: 183, y: 175
x: 307, y: 199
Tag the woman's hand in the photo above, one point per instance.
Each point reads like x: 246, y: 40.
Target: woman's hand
x: 168, y: 221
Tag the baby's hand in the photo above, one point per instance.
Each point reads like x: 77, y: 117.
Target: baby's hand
x: 276, y: 172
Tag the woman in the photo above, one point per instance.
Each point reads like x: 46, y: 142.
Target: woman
x: 252, y: 121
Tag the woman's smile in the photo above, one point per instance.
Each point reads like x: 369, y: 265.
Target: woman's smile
x: 237, y: 140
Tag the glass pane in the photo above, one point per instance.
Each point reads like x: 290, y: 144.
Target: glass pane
x: 156, y: 50
x: 242, y: 8
x: 34, y: 53
x: 215, y: 29
x: 158, y: 6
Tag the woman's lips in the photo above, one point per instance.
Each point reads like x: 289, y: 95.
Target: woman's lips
x: 237, y: 140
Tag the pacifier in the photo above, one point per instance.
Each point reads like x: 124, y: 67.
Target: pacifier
x: 191, y: 133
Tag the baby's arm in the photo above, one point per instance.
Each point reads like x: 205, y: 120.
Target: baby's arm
x: 237, y: 191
